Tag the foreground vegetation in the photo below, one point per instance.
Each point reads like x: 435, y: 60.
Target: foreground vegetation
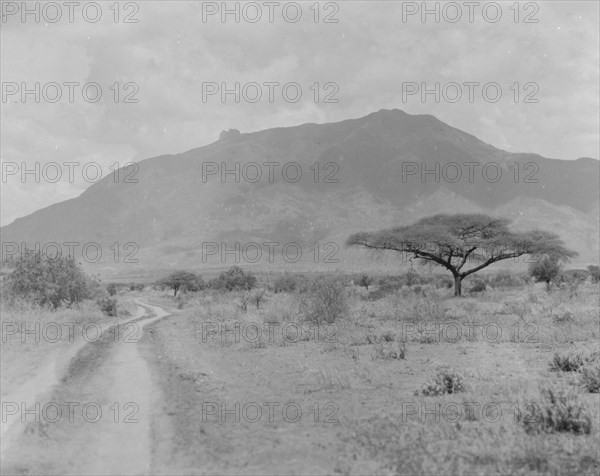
x: 417, y: 380
x: 392, y: 374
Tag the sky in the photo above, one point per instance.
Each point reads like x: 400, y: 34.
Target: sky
x: 122, y: 82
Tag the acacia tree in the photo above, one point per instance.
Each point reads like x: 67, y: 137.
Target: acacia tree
x: 453, y: 240
x: 182, y: 280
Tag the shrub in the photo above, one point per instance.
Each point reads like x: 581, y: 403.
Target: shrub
x: 258, y: 297
x: 504, y: 279
x: 572, y: 361
x: 234, y: 279
x: 562, y: 317
x: 388, y: 353
x: 50, y: 281
x: 546, y: 269
x: 590, y: 376
x: 478, y: 286
x: 139, y: 286
x: 364, y: 280
x: 108, y: 306
x: 386, y: 285
x: 111, y: 288
x: 324, y: 301
x: 594, y: 271
x: 446, y: 382
x: 559, y: 411
x: 286, y: 283
x: 444, y: 282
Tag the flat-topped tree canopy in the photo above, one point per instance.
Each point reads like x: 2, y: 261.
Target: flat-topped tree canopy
x: 453, y: 240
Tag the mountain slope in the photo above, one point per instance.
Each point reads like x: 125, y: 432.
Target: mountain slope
x: 379, y: 170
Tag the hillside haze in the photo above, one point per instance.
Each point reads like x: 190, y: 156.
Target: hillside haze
x: 385, y: 169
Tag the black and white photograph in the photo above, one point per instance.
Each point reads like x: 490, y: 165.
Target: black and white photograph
x: 311, y: 237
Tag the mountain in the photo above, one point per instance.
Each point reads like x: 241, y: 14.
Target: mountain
x: 381, y: 170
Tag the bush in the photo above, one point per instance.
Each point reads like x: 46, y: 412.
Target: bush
x: 546, y: 269
x: 386, y: 285
x: 504, y: 279
x: 364, y: 280
x: 446, y: 382
x: 234, y: 279
x: 444, y: 282
x: 388, y: 353
x: 478, y: 285
x: 558, y: 411
x: 594, y: 272
x: 111, y: 288
x: 324, y: 301
x: 572, y: 361
x: 286, y: 283
x: 138, y: 286
x: 108, y: 306
x: 50, y: 281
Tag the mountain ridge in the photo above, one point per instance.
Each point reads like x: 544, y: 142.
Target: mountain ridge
x: 370, y: 162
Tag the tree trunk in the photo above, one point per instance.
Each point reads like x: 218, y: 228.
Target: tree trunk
x: 457, y: 285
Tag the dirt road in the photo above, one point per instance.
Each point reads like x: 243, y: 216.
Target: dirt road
x: 110, y: 376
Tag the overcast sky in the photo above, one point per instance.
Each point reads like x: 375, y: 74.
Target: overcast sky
x: 370, y: 56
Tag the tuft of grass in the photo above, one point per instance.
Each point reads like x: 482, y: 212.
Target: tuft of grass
x: 558, y: 411
x: 447, y: 381
x: 389, y: 353
x: 590, y: 376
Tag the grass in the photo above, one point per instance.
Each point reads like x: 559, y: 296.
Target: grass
x: 559, y: 410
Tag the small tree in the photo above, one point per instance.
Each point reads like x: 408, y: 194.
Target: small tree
x: 183, y: 280
x: 234, y: 279
x: 594, y: 271
x: 111, y: 288
x: 364, y: 280
x: 452, y: 240
x: 52, y: 281
x: 546, y: 269
x: 324, y: 300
